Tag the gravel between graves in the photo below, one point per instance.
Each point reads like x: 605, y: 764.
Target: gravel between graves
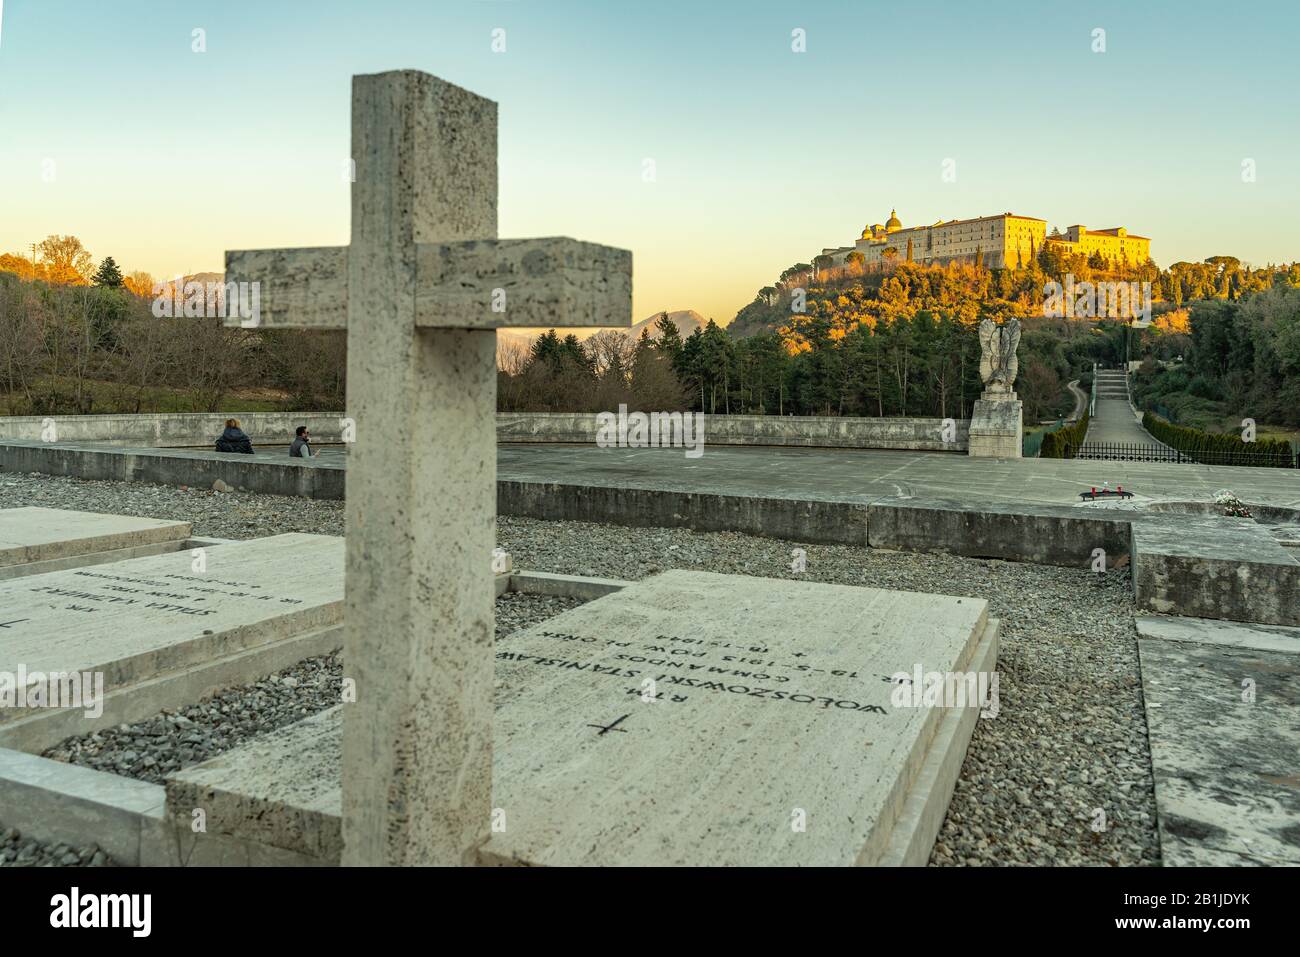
x: 19, y: 851
x: 151, y: 749
x: 1061, y: 776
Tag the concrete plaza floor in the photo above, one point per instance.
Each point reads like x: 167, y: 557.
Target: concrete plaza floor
x: 870, y: 475
x: 854, y: 475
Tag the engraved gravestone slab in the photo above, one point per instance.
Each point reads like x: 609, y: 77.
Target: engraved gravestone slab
x: 134, y: 620
x: 696, y: 718
x: 34, y: 534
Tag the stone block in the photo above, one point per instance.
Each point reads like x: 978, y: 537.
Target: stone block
x: 1214, y: 567
x: 33, y: 535
x: 58, y: 802
x: 282, y: 790
x: 996, y: 429
x: 695, y: 718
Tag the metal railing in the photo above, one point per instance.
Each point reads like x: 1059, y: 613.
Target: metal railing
x: 1142, y: 452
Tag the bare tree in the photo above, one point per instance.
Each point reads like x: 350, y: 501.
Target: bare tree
x: 611, y: 351
x: 20, y: 344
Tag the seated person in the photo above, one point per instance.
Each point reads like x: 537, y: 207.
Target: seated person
x: 233, y: 439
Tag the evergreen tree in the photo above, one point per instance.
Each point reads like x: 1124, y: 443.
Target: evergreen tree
x: 573, y: 354
x: 108, y: 274
x: 670, y: 339
x: 546, y: 348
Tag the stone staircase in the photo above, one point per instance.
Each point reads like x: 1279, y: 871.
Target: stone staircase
x: 1112, y: 384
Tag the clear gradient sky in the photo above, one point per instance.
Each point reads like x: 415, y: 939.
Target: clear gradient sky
x: 164, y: 158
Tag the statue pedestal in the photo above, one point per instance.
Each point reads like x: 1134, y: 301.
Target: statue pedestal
x: 996, y: 429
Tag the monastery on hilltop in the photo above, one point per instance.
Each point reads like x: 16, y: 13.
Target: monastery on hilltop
x: 1001, y: 241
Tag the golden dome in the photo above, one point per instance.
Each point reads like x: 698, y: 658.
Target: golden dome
x: 893, y: 222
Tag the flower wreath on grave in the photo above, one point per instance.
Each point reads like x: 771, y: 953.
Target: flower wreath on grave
x: 1231, y: 505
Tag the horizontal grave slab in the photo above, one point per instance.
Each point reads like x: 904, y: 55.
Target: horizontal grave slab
x: 1223, y: 705
x: 121, y: 623
x: 690, y: 718
x: 42, y: 536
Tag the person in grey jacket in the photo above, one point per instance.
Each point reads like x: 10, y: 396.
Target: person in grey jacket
x: 301, y: 447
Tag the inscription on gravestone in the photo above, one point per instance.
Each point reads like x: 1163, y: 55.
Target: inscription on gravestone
x: 132, y: 620
x: 689, y: 718
x: 684, y: 664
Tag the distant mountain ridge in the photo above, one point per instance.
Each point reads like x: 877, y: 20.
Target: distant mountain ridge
x: 687, y: 321
x: 202, y: 277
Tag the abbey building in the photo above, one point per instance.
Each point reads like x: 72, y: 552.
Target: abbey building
x: 1001, y: 241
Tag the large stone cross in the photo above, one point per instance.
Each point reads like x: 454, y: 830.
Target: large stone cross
x: 421, y: 290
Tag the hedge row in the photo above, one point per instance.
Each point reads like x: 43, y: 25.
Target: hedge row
x: 1217, y: 448
x: 1060, y: 443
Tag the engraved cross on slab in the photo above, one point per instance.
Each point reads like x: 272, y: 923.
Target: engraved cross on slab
x: 612, y: 726
x: 421, y: 290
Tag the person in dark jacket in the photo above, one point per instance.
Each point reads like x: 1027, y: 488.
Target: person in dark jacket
x: 233, y: 439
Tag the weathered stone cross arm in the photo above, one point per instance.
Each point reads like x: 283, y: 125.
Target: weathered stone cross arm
x: 476, y: 284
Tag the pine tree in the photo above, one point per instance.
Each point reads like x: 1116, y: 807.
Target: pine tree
x: 546, y: 347
x: 108, y: 274
x: 670, y: 339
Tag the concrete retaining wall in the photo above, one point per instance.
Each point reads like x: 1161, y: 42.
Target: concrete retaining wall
x: 1214, y: 567
x: 286, y: 476
x: 1045, y: 534
x: 200, y: 429
x: 172, y: 430
x: 1048, y: 535
x: 798, y: 430
x: 839, y: 523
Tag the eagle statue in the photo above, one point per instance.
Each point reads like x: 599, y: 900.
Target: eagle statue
x: 998, y: 344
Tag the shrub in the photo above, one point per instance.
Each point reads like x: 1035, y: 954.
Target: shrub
x: 1218, y: 448
x: 1062, y: 443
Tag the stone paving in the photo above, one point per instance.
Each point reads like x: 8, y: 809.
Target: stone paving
x: 854, y: 475
x: 867, y: 476
x: 1114, y: 419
